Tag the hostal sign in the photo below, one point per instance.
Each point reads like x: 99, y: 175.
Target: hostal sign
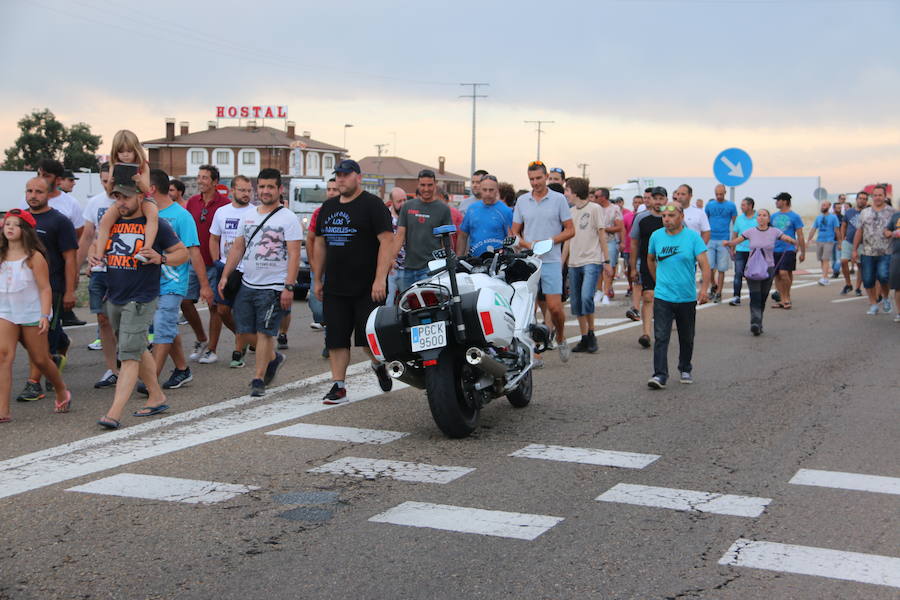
x: 229, y: 111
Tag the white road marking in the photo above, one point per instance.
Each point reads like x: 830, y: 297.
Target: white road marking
x: 587, y: 456
x: 600, y: 322
x: 118, y: 448
x: 462, y: 519
x: 372, y: 468
x: 687, y: 500
x: 851, y: 299
x: 847, y: 481
x: 807, y: 560
x: 340, y: 434
x: 170, y: 489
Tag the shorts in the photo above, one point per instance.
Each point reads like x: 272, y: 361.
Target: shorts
x: 846, y: 250
x: 612, y: 250
x: 552, y: 279
x: 785, y: 261
x: 346, y: 316
x: 875, y: 268
x: 193, y: 291
x: 645, y: 279
x: 258, y: 311
x: 131, y: 324
x: 219, y: 268
x: 165, y: 321
x: 719, y: 256
x: 97, y: 291
x: 582, y: 285
x: 824, y: 250
x: 626, y: 257
x: 895, y: 274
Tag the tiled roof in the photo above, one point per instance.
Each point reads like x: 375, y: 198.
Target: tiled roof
x: 243, y: 136
x: 395, y: 167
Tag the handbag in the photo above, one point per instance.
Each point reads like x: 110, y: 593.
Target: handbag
x: 233, y: 283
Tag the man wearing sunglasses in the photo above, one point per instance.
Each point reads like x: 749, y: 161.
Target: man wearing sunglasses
x: 415, y: 226
x: 672, y: 257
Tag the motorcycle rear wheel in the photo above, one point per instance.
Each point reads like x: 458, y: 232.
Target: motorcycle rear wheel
x: 455, y: 414
x: 521, y: 396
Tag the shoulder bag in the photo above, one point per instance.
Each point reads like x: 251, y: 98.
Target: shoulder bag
x: 234, y: 278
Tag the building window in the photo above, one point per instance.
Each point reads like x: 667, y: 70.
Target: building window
x: 195, y: 158
x: 223, y: 157
x: 328, y: 162
x: 312, y: 163
x: 198, y: 157
x: 248, y: 158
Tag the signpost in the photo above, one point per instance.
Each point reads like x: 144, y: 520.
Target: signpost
x: 732, y: 167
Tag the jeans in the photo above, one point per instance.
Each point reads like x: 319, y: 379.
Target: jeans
x: 315, y: 305
x: 836, y: 258
x: 684, y: 314
x: 407, y: 277
x: 392, y: 285
x: 56, y: 338
x: 740, y: 261
x: 582, y: 285
x: 875, y: 268
x: 759, y: 293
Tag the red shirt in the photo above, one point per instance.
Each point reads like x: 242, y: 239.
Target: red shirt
x: 456, y: 217
x: 203, y: 216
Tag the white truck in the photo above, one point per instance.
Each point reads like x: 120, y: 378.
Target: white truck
x: 12, y: 187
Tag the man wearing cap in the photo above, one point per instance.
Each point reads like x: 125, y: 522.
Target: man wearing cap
x: 415, y: 226
x: 721, y: 214
x: 645, y: 223
x: 354, y: 252
x: 67, y: 183
x: 785, y: 256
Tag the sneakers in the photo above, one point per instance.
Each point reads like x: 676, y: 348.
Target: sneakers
x: 656, y: 382
x: 208, y: 358
x: 581, y: 346
x: 776, y: 296
x: 886, y: 305
x: 325, y: 353
x: 141, y: 388
x: 686, y: 378
x: 258, y: 388
x: 96, y: 345
x: 858, y: 292
x: 644, y: 341
x: 713, y: 290
x: 237, y: 360
x: 564, y: 351
x: 598, y: 297
x: 633, y: 314
x: 538, y: 363
x: 716, y: 298
x: 109, y: 379
x: 605, y: 301
x: 847, y: 289
x: 200, y: 349
x: 282, y: 341
x: 273, y: 367
x: 873, y: 310
x: 755, y: 329
x: 336, y: 395
x: 823, y: 281
x: 735, y: 301
x: 384, y: 380
x: 591, y: 342
x: 31, y: 392
x: 316, y: 326
x: 178, y: 378
x: 897, y: 318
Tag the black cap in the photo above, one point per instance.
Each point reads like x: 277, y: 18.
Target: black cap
x: 659, y: 191
x: 347, y: 166
x: 783, y: 196
x: 67, y: 174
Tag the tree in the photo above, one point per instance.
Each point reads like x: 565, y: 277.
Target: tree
x: 43, y: 136
x: 81, y: 148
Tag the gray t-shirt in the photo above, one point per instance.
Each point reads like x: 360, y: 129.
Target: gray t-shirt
x: 543, y: 220
x: 420, y: 218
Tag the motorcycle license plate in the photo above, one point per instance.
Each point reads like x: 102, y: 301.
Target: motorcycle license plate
x: 426, y: 337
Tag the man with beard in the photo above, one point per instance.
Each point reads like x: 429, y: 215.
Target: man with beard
x: 643, y: 227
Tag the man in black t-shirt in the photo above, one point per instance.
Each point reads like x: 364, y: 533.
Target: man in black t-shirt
x: 643, y: 227
x: 353, y: 255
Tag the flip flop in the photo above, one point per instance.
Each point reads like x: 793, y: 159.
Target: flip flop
x: 151, y: 410
x: 786, y: 305
x: 65, y: 405
x: 109, y: 423
x: 778, y: 305
x: 6, y: 420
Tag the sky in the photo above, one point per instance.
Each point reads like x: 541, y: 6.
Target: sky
x: 636, y: 88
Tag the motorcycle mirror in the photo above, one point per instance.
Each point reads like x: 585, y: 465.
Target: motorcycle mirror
x: 542, y: 247
x: 434, y: 265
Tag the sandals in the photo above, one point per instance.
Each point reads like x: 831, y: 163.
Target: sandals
x: 65, y: 405
x: 6, y: 420
x: 108, y: 423
x: 149, y: 411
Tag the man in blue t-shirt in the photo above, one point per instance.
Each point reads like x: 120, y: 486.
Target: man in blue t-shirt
x: 486, y: 223
x: 828, y: 227
x: 785, y: 256
x: 848, y: 231
x: 672, y: 257
x: 133, y: 291
x: 721, y: 214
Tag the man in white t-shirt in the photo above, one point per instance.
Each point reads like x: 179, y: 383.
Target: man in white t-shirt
x: 224, y: 229
x: 270, y: 262
x: 694, y: 218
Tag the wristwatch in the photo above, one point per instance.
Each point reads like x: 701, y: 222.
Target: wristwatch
x: 290, y: 286
x: 162, y: 259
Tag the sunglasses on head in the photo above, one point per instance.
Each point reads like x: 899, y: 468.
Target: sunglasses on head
x: 427, y: 173
x: 535, y: 163
x: 491, y: 177
x: 557, y: 170
x: 670, y: 208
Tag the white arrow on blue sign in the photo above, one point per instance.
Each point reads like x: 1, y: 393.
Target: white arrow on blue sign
x: 732, y: 167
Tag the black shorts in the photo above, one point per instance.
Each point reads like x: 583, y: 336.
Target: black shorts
x: 785, y: 261
x: 646, y: 280
x: 895, y: 274
x: 346, y: 316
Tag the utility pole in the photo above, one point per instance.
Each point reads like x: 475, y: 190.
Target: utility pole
x: 380, y: 148
x: 539, y: 132
x: 583, y: 167
x: 474, y: 96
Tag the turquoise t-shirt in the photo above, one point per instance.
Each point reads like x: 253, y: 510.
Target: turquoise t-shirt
x: 742, y: 224
x: 825, y: 226
x: 174, y: 280
x: 676, y: 256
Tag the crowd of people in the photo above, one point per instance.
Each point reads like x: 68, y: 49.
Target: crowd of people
x: 152, y: 255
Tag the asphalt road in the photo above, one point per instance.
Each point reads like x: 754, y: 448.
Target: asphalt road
x: 818, y: 391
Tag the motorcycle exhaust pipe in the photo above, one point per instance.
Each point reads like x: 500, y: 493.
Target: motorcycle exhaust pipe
x: 399, y: 371
x: 486, y: 363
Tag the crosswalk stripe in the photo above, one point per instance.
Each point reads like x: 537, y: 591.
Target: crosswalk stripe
x: 520, y: 526
x: 170, y: 489
x: 808, y: 560
x: 686, y: 500
x: 371, y: 468
x: 588, y: 456
x: 339, y: 434
x: 847, y: 481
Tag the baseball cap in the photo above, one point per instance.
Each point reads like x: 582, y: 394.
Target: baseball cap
x: 659, y: 191
x: 67, y: 174
x: 783, y: 196
x: 347, y: 166
x: 23, y: 215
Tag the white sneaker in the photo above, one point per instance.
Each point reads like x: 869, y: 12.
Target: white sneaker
x: 316, y: 326
x: 208, y: 358
x: 873, y: 310
x: 564, y: 351
x: 605, y: 300
x: 897, y: 318
x: 96, y: 345
x: 598, y: 297
x: 823, y: 281
x: 886, y: 305
x: 200, y: 349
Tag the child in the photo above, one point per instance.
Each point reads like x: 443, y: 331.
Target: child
x: 127, y: 150
x: 25, y: 300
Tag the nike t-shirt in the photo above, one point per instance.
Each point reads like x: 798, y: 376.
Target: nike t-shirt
x: 676, y: 256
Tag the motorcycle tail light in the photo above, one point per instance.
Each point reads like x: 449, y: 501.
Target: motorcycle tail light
x: 410, y: 302
x: 430, y: 298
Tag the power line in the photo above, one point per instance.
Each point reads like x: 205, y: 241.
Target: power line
x: 474, y: 96
x: 539, y: 132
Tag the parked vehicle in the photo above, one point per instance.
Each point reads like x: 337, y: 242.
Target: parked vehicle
x: 466, y: 333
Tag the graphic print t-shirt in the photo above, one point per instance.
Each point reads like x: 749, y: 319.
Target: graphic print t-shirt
x: 825, y: 226
x: 226, y: 225
x: 58, y: 235
x: 128, y: 278
x: 420, y: 218
x: 351, y: 232
x: 788, y: 222
x: 675, y: 258
x: 174, y: 280
x: 585, y: 247
x: 93, y: 212
x: 265, y: 261
x: 720, y: 215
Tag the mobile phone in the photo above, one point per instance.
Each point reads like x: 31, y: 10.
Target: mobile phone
x: 123, y: 173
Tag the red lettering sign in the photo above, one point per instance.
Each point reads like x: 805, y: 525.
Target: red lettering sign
x: 245, y: 112
x: 282, y: 112
x: 230, y: 111
x: 269, y: 113
x: 256, y: 110
x: 220, y: 112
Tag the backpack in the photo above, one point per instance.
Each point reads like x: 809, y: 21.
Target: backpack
x: 757, y: 267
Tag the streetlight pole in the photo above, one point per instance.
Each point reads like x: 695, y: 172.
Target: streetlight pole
x: 539, y: 132
x: 346, y: 127
x: 583, y: 167
x: 474, y: 96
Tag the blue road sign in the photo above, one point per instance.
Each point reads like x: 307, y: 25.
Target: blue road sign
x: 732, y: 167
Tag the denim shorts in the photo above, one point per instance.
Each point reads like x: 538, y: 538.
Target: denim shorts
x: 582, y: 285
x: 846, y: 250
x: 218, y: 267
x: 719, y: 256
x: 551, y: 278
x: 258, y: 311
x: 875, y: 268
x: 612, y: 249
x: 193, y: 291
x: 97, y: 292
x: 131, y: 324
x: 165, y: 321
